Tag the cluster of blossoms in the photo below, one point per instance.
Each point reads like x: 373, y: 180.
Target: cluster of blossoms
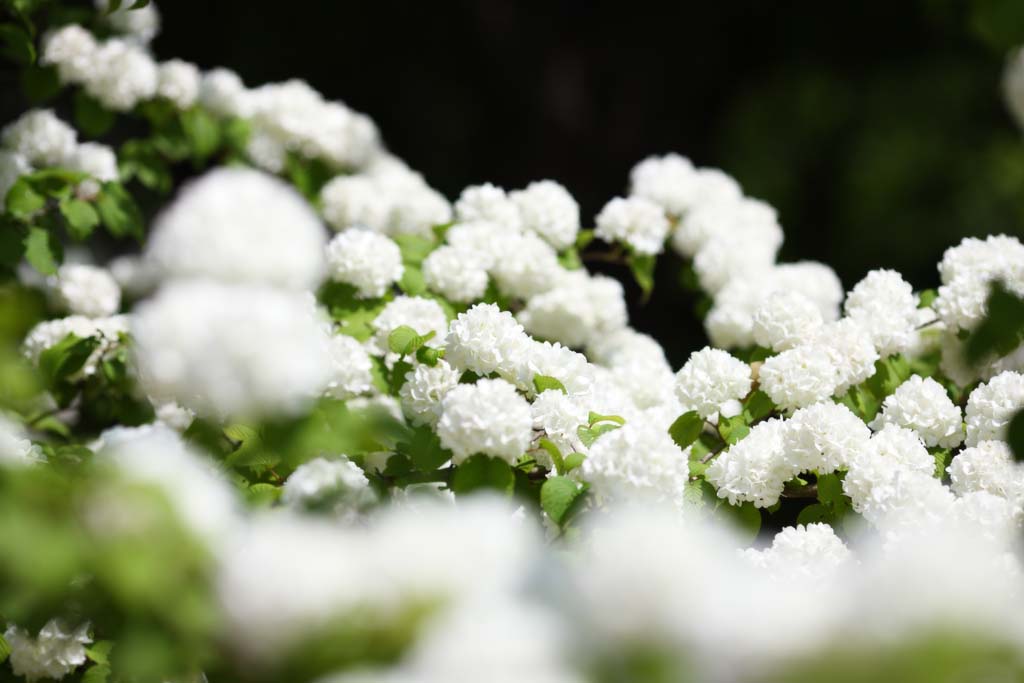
x: 422, y: 427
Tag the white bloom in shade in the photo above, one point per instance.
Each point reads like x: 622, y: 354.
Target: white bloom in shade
x: 741, y: 254
x: 424, y: 389
x: 266, y: 152
x: 977, y: 258
x: 395, y: 202
x: 240, y: 225
x: 637, y: 462
x: 179, y: 82
x: 823, y: 437
x: 488, y: 203
x: 12, y: 167
x: 963, y: 303
x: 71, y: 49
x: 803, y: 554
x: 340, y: 479
x: 156, y: 454
x: 785, y: 320
x: 485, y: 339
x: 885, y: 305
x: 709, y: 379
x: 368, y: 261
x: 549, y: 210
x: 40, y: 138
x: 231, y: 350
x: 99, y: 161
x: 579, y: 310
x: 851, y: 349
x: 721, y: 220
x: 560, y: 416
x: 799, y: 377
x: 1013, y: 85
x: 455, y: 273
x: 46, y: 334
x: 921, y: 404
x: 54, y: 653
x: 82, y: 289
x: 992, y: 405
x: 529, y: 266
x: 666, y: 180
x: 223, y: 92
x: 989, y: 467
x: 755, y: 468
x: 15, y: 447
x: 488, y: 417
x: 636, y: 222
x: 141, y: 25
x: 351, y: 368
x: 173, y: 415
x: 123, y: 74
x: 422, y: 315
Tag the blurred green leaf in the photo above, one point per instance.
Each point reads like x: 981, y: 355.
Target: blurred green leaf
x: 16, y: 44
x: 80, y: 216
x: 481, y: 472
x: 42, y: 251
x: 1001, y: 331
x: 91, y: 117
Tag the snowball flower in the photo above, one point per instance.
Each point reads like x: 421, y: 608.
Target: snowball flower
x: 54, y: 653
x: 988, y: 466
x: 528, y: 267
x: 667, y: 181
x: 638, y: 461
x: 456, y: 273
x: 560, y: 416
x: 83, y: 289
x: 786, y: 320
x: 72, y: 50
x: 422, y: 315
x: 713, y: 221
x: 223, y: 92
x: 40, y: 138
x: 977, y: 258
x: 239, y: 225
x: 140, y: 25
x: 488, y: 203
x: 922, y: 404
x: 799, y: 377
x: 850, y: 348
x: 485, y: 339
x: 549, y: 210
x: 803, y: 554
x: 992, y: 405
x: 179, y: 82
x: 231, y: 350
x: 754, y: 469
x: 885, y: 305
x: 580, y: 310
x: 368, y: 261
x: 107, y: 331
x: 99, y: 161
x: 711, y: 378
x: 351, y: 368
x: 636, y: 222
x: 122, y: 75
x: 320, y: 478
x: 823, y: 437
x: 488, y: 417
x: 391, y: 204
x: 424, y: 389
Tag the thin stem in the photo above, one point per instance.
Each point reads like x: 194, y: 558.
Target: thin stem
x: 806, y: 491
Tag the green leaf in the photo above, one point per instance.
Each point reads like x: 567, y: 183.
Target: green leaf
x: 642, y: 267
x: 22, y: 200
x: 1001, y: 331
x: 404, y: 340
x: 42, y: 251
x: 588, y: 435
x: 686, y: 428
x: 757, y: 406
x: 830, y: 492
x: 483, y: 472
x: 553, y: 451
x: 113, y: 6
x: 573, y: 460
x: 557, y: 496
x: 926, y: 298
x: 80, y: 216
x: 745, y: 517
x: 942, y: 458
x: 5, y: 650
x: 97, y: 673
x: 202, y: 133
x: 16, y: 44
x: 543, y: 383
x: 139, y: 160
x: 428, y: 355
x: 65, y: 358
x: 412, y: 281
x: 119, y: 212
x: 262, y: 494
x: 139, y: 4
x: 91, y: 117
x: 425, y: 450
x: 583, y: 238
x: 40, y: 83
x: 99, y: 652
x: 396, y: 377
x: 594, y: 418
x: 414, y: 248
x: 1015, y: 436
x: 570, y: 259
x: 732, y: 429
x: 813, y: 514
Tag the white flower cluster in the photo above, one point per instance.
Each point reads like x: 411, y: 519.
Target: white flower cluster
x: 921, y: 404
x: 366, y: 260
x: 82, y: 289
x: 487, y: 417
x: 54, y: 653
x: 15, y: 446
x: 968, y: 270
x: 107, y: 331
x: 338, y: 481
x: 712, y: 382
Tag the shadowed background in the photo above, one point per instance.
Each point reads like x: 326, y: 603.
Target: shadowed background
x: 877, y: 129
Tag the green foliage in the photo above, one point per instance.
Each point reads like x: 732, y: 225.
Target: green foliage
x: 16, y: 44
x: 353, y: 314
x: 80, y: 217
x: 542, y: 383
x: 559, y: 497
x: 42, y: 251
x: 685, y: 430
x: 91, y: 117
x: 642, y: 267
x: 481, y: 472
x: 733, y: 428
x: 405, y: 341
x: 424, y: 449
x: 1001, y: 331
x: 118, y: 211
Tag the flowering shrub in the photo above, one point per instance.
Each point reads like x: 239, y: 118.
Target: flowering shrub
x: 310, y: 421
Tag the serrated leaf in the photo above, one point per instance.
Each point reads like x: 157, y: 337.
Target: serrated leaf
x: 830, y: 490
x: 733, y: 429
x: 686, y: 428
x: 65, y: 358
x: 119, y: 212
x: 542, y: 383
x: 81, y: 218
x: 557, y: 496
x: 99, y: 652
x: 757, y: 406
x: 5, y: 650
x: 97, y: 673
x: 425, y: 450
x: 42, y: 251
x: 483, y: 472
x: 262, y: 493
x: 22, y: 200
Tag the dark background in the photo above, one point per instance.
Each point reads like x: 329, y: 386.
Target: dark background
x: 876, y: 128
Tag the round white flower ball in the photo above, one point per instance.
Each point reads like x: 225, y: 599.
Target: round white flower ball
x: 122, y: 75
x: 422, y: 315
x: 99, y: 161
x: 352, y: 369
x: 83, y: 289
x: 179, y: 81
x: 548, y: 210
x: 231, y: 350
x: 368, y: 261
x: 528, y: 268
x: 72, y: 50
x: 637, y: 462
x: 667, y: 181
x: 341, y: 479
x: 799, y: 377
x: 988, y: 466
x: 223, y: 92
x: 485, y: 339
x: 54, y: 653
x: 634, y: 221
x: 488, y: 417
x: 424, y: 389
x: 885, y: 305
x: 15, y: 446
x: 992, y: 405
x: 240, y: 225
x: 490, y: 204
x: 922, y: 404
x: 786, y: 320
x: 40, y: 138
x: 710, y: 379
x: 456, y: 273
